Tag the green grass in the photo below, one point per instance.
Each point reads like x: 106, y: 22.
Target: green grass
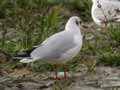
x: 29, y: 24
x: 110, y: 60
x: 33, y: 21
x: 111, y: 54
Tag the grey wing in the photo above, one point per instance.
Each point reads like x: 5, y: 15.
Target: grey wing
x: 109, y: 11
x: 54, y: 47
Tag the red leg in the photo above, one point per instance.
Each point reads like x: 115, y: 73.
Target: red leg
x: 56, y: 73
x: 65, y: 70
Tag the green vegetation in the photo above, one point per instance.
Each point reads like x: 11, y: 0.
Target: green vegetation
x: 34, y: 18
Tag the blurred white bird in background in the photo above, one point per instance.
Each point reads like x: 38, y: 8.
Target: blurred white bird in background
x: 60, y: 47
x: 105, y: 12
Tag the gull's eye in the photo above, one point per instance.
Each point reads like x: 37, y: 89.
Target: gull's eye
x: 80, y: 22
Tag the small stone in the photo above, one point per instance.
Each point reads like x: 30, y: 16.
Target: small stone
x: 2, y: 87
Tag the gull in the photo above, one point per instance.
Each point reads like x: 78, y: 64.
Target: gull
x: 105, y: 12
x: 60, y: 47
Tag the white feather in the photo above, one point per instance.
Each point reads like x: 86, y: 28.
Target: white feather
x: 27, y: 60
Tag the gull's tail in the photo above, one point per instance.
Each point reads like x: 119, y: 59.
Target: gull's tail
x: 27, y: 60
x: 118, y: 18
x: 24, y: 56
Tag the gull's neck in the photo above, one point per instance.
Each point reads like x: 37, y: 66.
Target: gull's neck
x: 72, y: 27
x: 94, y: 6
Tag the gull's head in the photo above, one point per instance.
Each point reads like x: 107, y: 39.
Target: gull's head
x: 74, y: 23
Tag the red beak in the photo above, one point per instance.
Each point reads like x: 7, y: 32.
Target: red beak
x: 84, y: 26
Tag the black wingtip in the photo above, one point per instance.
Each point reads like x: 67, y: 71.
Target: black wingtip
x: 23, y: 54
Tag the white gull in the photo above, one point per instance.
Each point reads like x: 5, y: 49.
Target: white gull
x: 60, y: 47
x: 105, y: 11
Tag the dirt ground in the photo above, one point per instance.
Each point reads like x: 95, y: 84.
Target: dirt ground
x: 104, y: 78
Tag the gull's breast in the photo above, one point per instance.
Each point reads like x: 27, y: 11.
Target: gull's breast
x: 73, y: 51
